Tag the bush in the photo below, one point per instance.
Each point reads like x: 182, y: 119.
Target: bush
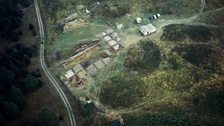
x: 49, y: 118
x: 180, y: 32
x: 170, y: 118
x: 145, y: 58
x: 207, y: 57
x: 122, y: 91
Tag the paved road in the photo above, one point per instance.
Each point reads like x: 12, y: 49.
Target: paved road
x: 47, y: 72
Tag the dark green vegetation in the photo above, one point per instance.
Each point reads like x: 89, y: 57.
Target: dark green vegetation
x: 122, y: 91
x: 145, y: 58
x: 208, y: 97
x: 173, y: 7
x: 175, y: 117
x: 113, y: 9
x: 214, y: 4
x: 12, y: 13
x: 89, y: 111
x: 207, y: 57
x: 47, y: 118
x: 116, y: 9
x: 215, y: 17
x: 197, y: 34
x: 15, y: 80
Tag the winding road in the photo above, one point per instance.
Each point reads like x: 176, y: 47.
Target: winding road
x: 47, y: 72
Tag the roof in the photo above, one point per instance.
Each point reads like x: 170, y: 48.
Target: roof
x: 71, y: 17
x: 87, y: 11
x: 99, y: 64
x: 147, y: 29
x: 114, y: 35
x: 107, y: 52
x: 119, y: 26
x: 77, y: 68
x: 82, y: 74
x: 118, y: 39
x: 116, y: 47
x: 112, y: 43
x: 138, y: 20
x: 107, y: 38
x: 91, y: 69
x: 101, y: 35
x: 107, y: 61
x: 69, y: 74
x: 109, y: 31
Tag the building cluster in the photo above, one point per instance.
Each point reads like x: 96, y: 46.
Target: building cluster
x: 109, y: 43
x: 111, y: 38
x: 149, y: 28
x: 78, y: 75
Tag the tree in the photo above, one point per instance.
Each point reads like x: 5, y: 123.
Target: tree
x: 31, y: 27
x: 145, y: 58
x: 2, y: 119
x: 16, y: 95
x: 6, y: 78
x: 12, y: 19
x: 32, y: 123
x: 10, y: 109
x: 49, y: 118
x: 30, y: 83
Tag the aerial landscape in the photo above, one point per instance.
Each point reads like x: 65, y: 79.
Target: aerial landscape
x: 112, y: 63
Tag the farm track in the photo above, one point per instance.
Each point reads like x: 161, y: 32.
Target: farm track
x: 45, y: 69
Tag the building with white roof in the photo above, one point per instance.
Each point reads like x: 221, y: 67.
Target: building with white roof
x: 119, y: 26
x: 109, y: 31
x: 114, y: 35
x: 112, y: 43
x: 138, y: 20
x: 107, y: 38
x: 116, y: 47
x: 147, y: 29
x: 69, y: 74
x: 118, y: 39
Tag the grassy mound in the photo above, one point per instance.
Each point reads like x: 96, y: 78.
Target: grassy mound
x: 145, y: 58
x: 114, y: 9
x: 217, y: 17
x: 213, y: 4
x: 176, y: 117
x: 207, y: 57
x: 122, y: 91
x: 209, y: 97
x: 174, y: 7
x: 181, y: 32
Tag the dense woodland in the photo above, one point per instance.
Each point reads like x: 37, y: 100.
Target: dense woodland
x: 11, y: 10
x: 16, y: 80
x: 16, y: 83
x: 144, y: 59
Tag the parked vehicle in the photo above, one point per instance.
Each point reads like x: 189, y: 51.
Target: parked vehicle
x: 154, y: 17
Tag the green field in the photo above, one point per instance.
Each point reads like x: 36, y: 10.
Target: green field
x: 77, y: 36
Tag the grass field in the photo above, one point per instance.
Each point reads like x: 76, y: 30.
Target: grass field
x: 77, y: 36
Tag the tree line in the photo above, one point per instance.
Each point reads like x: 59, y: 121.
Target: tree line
x: 11, y: 18
x: 16, y: 81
